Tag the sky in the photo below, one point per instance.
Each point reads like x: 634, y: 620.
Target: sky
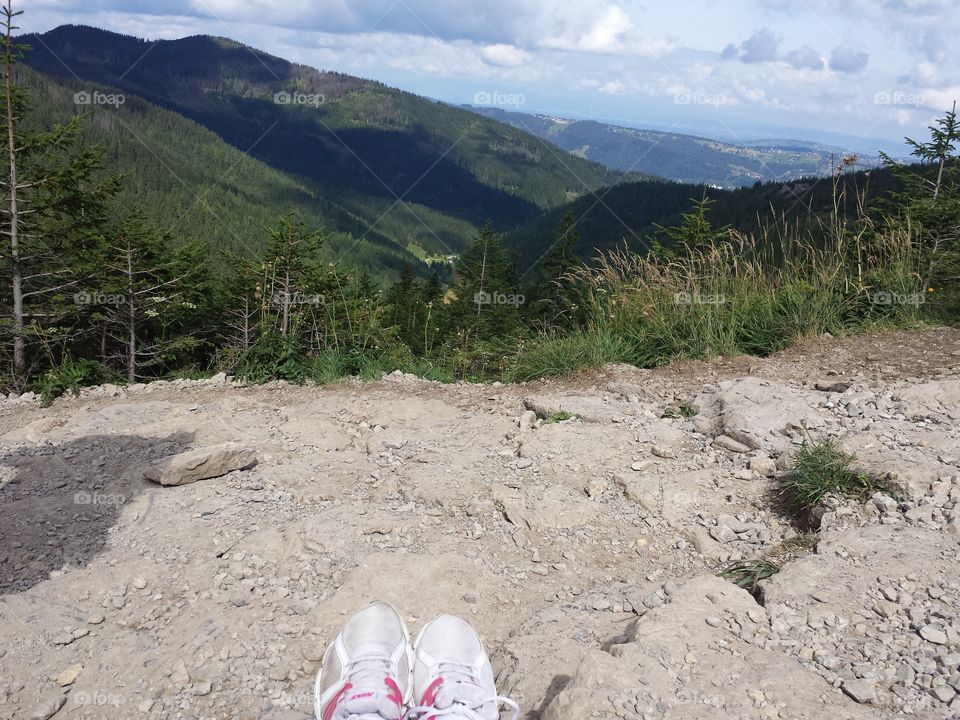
x: 860, y: 74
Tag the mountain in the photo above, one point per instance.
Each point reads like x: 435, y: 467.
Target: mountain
x: 630, y: 213
x: 377, y: 164
x: 683, y: 158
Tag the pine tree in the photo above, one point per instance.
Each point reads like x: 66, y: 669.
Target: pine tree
x: 52, y: 211
x: 148, y: 297
x: 294, y: 258
x: 552, y: 293
x: 929, y: 202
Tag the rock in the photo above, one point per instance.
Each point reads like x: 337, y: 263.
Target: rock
x: 859, y: 690
x: 202, y: 688
x: 470, y: 598
x: 596, y: 487
x: 179, y: 677
x: 589, y: 408
x: 944, y: 693
x: 139, y: 583
x: 48, y: 708
x: 834, y: 386
x: 933, y: 634
x: 145, y: 706
x: 95, y: 619
x: 728, y: 443
x: 528, y: 420
x: 201, y: 464
x: 764, y: 466
x: 759, y: 413
x: 664, y: 451
x: 69, y: 676
x: 722, y: 534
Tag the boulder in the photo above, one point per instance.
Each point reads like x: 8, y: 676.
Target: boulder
x: 201, y: 464
x: 759, y: 413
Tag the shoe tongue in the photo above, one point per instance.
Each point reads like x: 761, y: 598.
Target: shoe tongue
x: 469, y: 695
x: 368, y: 704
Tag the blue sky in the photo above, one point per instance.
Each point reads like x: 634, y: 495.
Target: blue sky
x: 850, y: 72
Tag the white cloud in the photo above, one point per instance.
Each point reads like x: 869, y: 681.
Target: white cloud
x: 505, y: 55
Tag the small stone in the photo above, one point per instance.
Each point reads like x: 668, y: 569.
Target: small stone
x: 597, y: 487
x: 139, y: 583
x: 310, y: 649
x: 145, y: 706
x: 933, y: 634
x: 714, y: 622
x: 524, y: 463
x: 95, y: 619
x: 763, y: 466
x: 470, y: 598
x: 728, y: 443
x: 722, y: 533
x: 49, y: 708
x: 180, y: 677
x: 202, y: 688
x: 944, y: 693
x: 859, y: 690
x: 835, y: 386
x: 69, y: 676
x: 601, y: 604
x: 663, y: 451
x: 528, y: 420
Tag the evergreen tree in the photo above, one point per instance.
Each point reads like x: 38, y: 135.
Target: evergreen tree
x: 292, y: 267
x: 552, y: 292
x: 694, y: 230
x: 485, y: 314
x: 52, y: 211
x: 148, y: 298
x: 929, y: 202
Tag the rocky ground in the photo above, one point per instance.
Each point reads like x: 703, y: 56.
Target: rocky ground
x: 585, y: 551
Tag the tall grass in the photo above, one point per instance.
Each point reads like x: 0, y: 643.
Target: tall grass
x: 742, y: 294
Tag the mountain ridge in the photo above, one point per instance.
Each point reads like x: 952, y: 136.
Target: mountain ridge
x: 376, y: 152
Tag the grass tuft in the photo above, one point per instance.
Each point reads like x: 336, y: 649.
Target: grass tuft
x: 747, y: 574
x: 821, y: 468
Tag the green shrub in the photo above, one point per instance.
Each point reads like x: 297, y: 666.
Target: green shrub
x: 273, y: 357
x: 69, y: 376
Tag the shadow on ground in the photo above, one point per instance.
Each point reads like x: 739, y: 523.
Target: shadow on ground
x: 58, y: 503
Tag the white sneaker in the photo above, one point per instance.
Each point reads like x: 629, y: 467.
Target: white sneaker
x: 452, y: 677
x: 366, y: 670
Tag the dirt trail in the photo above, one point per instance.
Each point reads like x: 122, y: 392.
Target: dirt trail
x: 585, y: 551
